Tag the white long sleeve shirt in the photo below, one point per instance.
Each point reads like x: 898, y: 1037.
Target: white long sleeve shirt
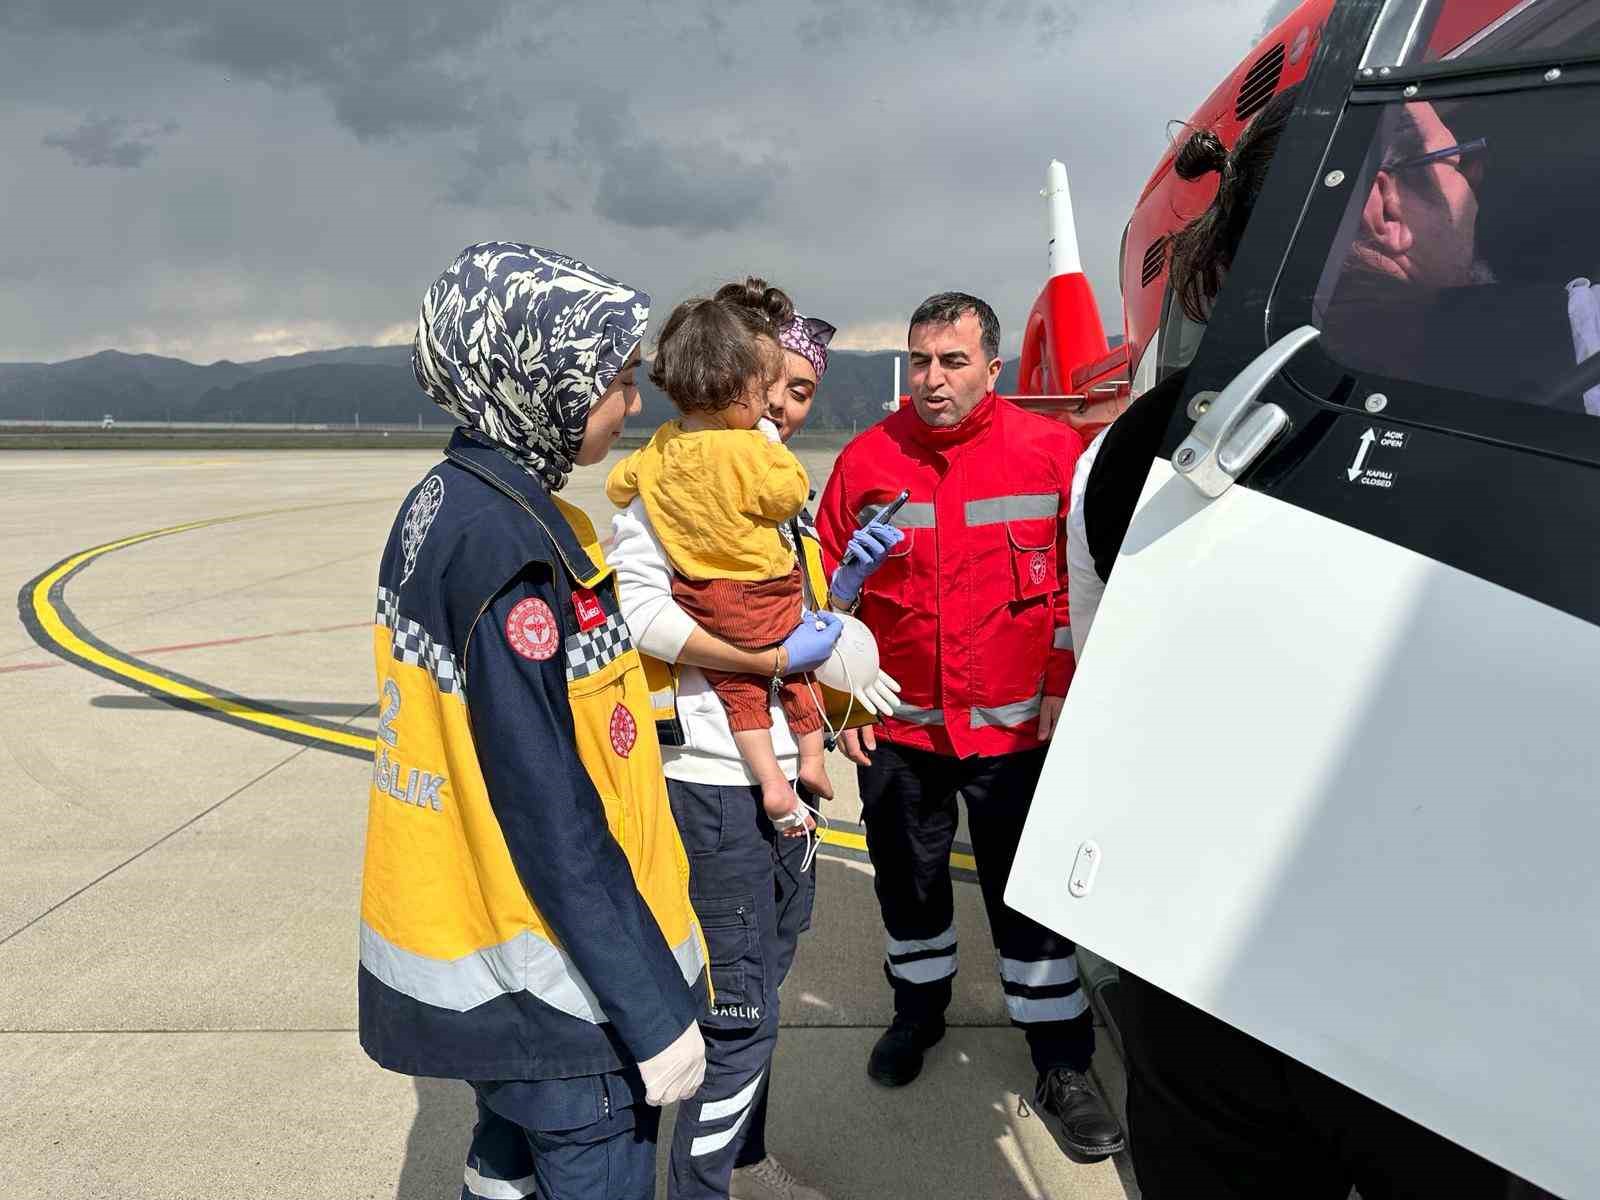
x: 1084, y: 585
x: 660, y: 628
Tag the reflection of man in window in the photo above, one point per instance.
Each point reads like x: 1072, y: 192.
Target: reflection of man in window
x: 1410, y: 302
x: 1420, y: 220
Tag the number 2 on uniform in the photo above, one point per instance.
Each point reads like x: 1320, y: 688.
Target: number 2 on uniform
x: 391, y: 710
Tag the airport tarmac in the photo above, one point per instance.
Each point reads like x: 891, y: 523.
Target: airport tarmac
x: 180, y: 892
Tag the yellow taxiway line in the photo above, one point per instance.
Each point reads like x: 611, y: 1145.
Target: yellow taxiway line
x: 49, y: 622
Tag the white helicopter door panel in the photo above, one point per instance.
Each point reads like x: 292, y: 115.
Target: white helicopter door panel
x: 1330, y: 766
x: 1327, y: 796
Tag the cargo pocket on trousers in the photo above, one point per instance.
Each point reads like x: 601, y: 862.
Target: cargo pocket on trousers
x: 737, y: 970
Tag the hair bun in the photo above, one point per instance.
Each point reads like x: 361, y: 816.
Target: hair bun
x: 758, y: 295
x: 1201, y: 153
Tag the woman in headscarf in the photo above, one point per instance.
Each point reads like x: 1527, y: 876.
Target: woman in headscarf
x: 526, y: 923
x: 747, y: 878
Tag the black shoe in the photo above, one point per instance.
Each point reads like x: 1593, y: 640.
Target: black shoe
x: 897, y: 1058
x: 1087, y: 1126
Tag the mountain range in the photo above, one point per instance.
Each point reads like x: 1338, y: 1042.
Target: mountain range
x: 356, y: 384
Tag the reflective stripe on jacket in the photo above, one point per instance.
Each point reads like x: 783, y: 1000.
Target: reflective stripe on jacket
x: 970, y: 609
x: 525, y: 910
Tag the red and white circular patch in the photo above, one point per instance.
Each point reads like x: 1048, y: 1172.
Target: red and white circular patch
x: 624, y: 731
x: 532, y: 630
x: 1036, y: 566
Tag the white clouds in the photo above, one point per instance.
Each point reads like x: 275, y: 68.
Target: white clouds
x: 871, y: 335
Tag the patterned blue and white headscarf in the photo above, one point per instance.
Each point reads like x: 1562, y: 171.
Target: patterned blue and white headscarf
x: 518, y: 342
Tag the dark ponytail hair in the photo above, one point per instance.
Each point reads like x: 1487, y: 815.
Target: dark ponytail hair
x: 1203, y: 250
x: 755, y: 294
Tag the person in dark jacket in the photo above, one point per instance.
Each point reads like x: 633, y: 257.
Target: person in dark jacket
x: 525, y: 914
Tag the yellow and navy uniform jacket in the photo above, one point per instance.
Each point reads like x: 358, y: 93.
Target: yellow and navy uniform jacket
x: 840, y: 708
x: 525, y: 907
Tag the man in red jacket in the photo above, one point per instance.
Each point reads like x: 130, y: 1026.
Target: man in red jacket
x: 970, y: 613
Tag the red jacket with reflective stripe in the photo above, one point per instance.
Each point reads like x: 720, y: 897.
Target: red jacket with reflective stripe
x: 970, y: 610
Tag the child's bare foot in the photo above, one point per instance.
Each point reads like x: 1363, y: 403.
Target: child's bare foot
x: 814, y: 774
x: 778, y: 799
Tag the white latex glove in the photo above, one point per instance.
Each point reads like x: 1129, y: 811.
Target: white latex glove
x: 880, y: 696
x: 678, y: 1071
x: 767, y: 427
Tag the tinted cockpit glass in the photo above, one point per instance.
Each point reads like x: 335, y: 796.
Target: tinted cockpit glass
x: 1415, y: 32
x: 1468, y: 257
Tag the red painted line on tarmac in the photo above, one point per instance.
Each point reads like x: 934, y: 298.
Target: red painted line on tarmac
x: 233, y: 641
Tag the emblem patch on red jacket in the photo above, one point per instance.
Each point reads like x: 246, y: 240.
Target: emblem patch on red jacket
x: 1036, y: 567
x: 586, y: 605
x: 624, y: 731
x: 532, y: 630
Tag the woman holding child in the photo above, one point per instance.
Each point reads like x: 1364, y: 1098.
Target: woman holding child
x: 727, y: 362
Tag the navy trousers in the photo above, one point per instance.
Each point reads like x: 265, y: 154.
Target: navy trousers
x: 753, y: 902
x: 908, y: 805
x: 1216, y: 1115
x: 563, y: 1139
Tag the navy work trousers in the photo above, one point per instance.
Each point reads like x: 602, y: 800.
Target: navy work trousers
x: 1216, y: 1115
x: 563, y: 1139
x: 753, y: 902
x: 908, y: 805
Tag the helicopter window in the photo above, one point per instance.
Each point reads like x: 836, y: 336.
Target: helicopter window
x: 1414, y: 32
x: 1468, y: 258
x: 1180, y: 336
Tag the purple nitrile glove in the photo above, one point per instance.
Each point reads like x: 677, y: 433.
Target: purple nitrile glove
x: 812, y: 641
x: 868, y: 547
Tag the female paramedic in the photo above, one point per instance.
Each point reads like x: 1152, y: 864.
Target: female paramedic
x: 525, y: 915
x: 748, y: 879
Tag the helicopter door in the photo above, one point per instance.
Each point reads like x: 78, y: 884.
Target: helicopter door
x: 1330, y: 767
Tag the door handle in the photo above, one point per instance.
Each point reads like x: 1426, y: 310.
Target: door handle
x: 1232, y: 433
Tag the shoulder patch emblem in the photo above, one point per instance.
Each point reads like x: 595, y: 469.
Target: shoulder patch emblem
x: 419, y: 519
x: 624, y: 731
x: 532, y: 631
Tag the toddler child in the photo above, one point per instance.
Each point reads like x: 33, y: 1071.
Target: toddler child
x: 717, y: 489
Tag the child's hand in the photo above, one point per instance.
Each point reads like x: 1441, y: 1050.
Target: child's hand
x: 778, y: 801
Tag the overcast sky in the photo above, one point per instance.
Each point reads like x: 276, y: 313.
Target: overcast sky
x: 241, y: 178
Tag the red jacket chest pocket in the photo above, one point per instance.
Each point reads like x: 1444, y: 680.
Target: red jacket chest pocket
x: 1032, y: 546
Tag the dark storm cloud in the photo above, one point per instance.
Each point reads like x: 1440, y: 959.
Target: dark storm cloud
x: 109, y: 142
x: 832, y: 21
x: 387, y: 67
x: 690, y: 186
x: 336, y: 153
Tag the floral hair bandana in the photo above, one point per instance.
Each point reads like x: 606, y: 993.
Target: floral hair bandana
x: 518, y: 343
x: 808, y: 337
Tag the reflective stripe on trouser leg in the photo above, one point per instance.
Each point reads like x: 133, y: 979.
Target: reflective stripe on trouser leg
x: 921, y: 960
x: 1042, y: 990
x: 499, y: 1162
x: 713, y: 1125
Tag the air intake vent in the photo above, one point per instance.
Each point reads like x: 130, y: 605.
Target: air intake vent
x: 1259, y: 85
x: 1154, y: 259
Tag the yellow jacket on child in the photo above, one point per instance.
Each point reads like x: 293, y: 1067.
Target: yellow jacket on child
x: 716, y: 498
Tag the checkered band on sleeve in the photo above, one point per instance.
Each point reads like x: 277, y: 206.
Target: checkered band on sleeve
x: 589, y: 651
x: 413, y: 646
